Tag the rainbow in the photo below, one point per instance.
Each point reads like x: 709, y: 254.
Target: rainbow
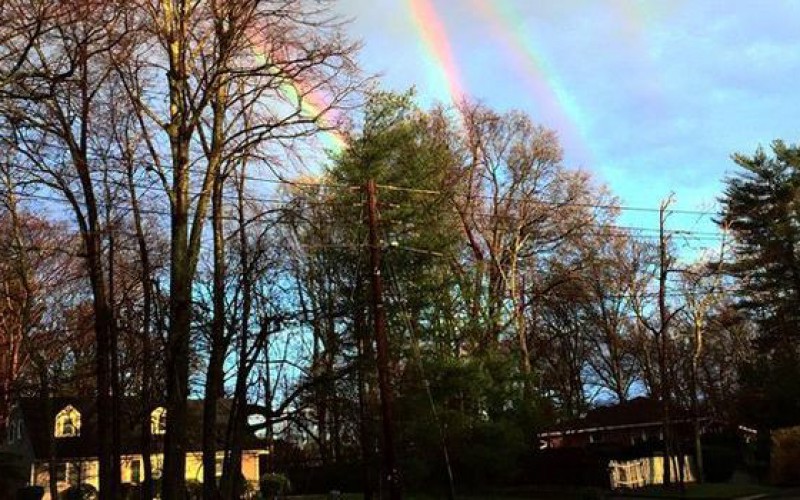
x: 548, y: 89
x: 434, y: 36
x: 313, y: 103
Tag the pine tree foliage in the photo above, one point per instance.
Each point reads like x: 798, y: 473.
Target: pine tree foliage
x: 761, y: 210
x: 760, y: 206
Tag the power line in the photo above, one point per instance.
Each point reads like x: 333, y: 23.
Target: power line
x: 150, y: 167
x: 602, y: 206
x: 147, y: 211
x: 621, y: 230
x: 123, y: 185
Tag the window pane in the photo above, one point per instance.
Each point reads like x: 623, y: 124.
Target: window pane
x: 136, y: 471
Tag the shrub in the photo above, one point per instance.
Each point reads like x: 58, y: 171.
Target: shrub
x: 251, y: 489
x: 490, y: 454
x: 194, y: 489
x: 129, y: 491
x: 83, y: 491
x: 274, y: 485
x: 719, y: 463
x: 785, y: 459
x: 30, y: 493
x: 157, y: 485
x: 320, y: 479
x: 567, y: 466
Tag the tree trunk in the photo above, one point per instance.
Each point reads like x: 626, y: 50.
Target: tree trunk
x: 103, y: 319
x: 116, y: 444
x: 177, y: 363
x: 147, y: 490
x: 51, y: 448
x: 184, y: 255
x: 518, y: 296
x: 215, y: 373
x: 365, y: 407
x: 698, y: 448
x: 180, y: 130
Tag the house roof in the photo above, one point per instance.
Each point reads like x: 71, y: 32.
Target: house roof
x: 637, y: 412
x: 39, y: 414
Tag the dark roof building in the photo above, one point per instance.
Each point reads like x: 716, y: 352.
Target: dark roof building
x: 38, y: 420
x: 60, y: 434
x: 626, y: 424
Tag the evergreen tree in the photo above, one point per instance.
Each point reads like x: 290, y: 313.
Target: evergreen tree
x: 760, y: 207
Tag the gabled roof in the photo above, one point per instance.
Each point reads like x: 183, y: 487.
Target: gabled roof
x: 39, y: 415
x: 637, y: 412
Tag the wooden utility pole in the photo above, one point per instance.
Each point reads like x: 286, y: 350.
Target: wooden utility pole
x: 665, y: 318
x: 391, y: 473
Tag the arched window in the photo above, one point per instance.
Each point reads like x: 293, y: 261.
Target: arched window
x: 158, y: 421
x: 68, y: 422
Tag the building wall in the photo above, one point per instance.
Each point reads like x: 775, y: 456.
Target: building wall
x: 647, y: 471
x: 74, y: 472
x: 87, y: 471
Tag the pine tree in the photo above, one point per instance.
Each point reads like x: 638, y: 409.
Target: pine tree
x: 760, y: 206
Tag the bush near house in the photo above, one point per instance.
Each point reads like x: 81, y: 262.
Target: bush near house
x: 568, y: 466
x: 320, y: 479
x: 129, y: 491
x: 194, y: 489
x: 30, y: 493
x: 719, y: 463
x: 785, y: 459
x: 274, y: 485
x: 723, y: 452
x: 80, y: 492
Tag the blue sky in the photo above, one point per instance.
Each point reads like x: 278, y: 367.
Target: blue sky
x: 663, y: 90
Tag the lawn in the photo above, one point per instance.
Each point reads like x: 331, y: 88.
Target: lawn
x: 706, y: 490
x: 537, y: 493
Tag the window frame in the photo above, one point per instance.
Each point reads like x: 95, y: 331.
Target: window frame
x: 68, y: 415
x: 158, y: 421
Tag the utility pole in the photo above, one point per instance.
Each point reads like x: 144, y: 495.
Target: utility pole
x: 391, y: 473
x: 665, y: 318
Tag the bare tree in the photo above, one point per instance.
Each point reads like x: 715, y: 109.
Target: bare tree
x: 226, y: 61
x: 54, y: 104
x: 660, y: 330
x: 701, y: 293
x: 617, y: 269
x: 519, y: 207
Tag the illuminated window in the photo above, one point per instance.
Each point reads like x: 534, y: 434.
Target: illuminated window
x: 158, y: 421
x: 68, y: 423
x: 136, y: 471
x: 157, y: 462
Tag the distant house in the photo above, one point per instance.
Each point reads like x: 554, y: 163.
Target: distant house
x: 64, y: 430
x: 617, y: 432
x: 629, y: 423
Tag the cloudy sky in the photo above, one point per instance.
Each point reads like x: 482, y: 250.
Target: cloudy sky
x: 652, y: 96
